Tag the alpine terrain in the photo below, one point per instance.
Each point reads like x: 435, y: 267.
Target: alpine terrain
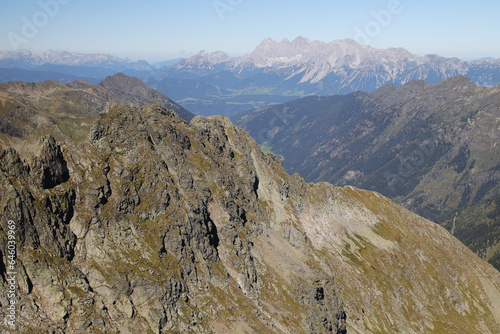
x: 151, y: 224
x: 66, y: 110
x: 432, y: 148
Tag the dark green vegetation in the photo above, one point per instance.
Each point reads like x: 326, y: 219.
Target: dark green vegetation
x: 433, y: 148
x: 478, y: 226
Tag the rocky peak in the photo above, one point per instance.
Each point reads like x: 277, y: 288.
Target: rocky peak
x: 268, y: 43
x: 457, y: 82
x: 121, y: 80
x: 49, y: 166
x: 204, y: 60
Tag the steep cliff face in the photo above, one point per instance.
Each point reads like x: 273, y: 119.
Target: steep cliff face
x: 155, y: 225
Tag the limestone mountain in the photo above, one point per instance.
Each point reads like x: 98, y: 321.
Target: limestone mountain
x: 341, y: 65
x: 154, y: 225
x: 66, y: 110
x: 285, y: 70
x: 432, y: 148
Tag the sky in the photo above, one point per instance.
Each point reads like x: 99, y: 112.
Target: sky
x: 157, y: 30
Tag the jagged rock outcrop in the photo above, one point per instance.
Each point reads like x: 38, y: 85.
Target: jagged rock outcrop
x: 160, y: 226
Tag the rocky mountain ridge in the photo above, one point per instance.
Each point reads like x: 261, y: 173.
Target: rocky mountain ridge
x: 155, y: 225
x: 66, y: 110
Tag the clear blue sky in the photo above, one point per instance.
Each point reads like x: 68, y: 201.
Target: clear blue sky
x: 164, y: 29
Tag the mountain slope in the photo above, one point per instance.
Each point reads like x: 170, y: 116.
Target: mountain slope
x: 155, y: 225
x: 432, y: 148
x: 66, y: 110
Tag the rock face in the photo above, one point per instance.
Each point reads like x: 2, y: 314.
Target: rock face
x: 155, y: 225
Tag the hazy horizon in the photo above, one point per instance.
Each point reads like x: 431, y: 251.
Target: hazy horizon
x: 153, y: 58
x: 158, y: 31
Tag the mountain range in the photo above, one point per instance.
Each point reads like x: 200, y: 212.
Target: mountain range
x: 432, y: 148
x: 32, y: 59
x: 290, y: 69
x: 64, y: 66
x: 348, y: 63
x: 132, y: 215
x: 273, y: 73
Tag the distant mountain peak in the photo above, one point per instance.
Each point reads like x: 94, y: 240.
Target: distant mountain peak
x: 315, y: 60
x: 267, y: 42
x: 484, y: 59
x: 301, y: 40
x: 458, y: 81
x: 121, y: 80
x: 204, y: 60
